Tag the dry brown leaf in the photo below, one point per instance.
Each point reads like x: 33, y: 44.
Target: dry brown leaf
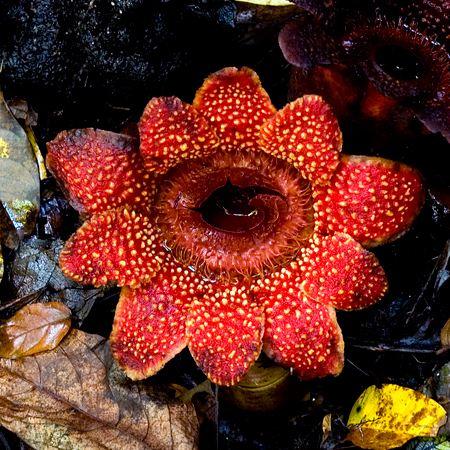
x: 445, y: 335
x: 33, y: 329
x: 326, y: 427
x: 75, y: 397
x: 23, y: 111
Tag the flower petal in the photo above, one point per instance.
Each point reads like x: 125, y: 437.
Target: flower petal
x: 374, y: 200
x: 150, y: 322
x: 114, y: 246
x: 305, y: 45
x: 305, y: 133
x: 339, y: 272
x: 236, y: 105
x: 300, y: 333
x: 172, y: 131
x: 225, y: 331
x: 100, y: 170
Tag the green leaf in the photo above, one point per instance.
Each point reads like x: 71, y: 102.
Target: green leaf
x: 438, y: 443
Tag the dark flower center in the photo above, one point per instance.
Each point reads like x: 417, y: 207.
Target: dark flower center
x: 399, y: 62
x: 235, y: 212
x: 234, y: 209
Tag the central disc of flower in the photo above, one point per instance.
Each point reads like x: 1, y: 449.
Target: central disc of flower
x: 235, y: 213
x: 399, y: 62
x: 236, y: 209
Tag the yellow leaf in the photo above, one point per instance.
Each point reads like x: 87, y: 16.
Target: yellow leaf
x: 387, y: 417
x: 268, y: 2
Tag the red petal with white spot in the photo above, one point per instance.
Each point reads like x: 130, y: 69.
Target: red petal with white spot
x: 150, y: 322
x: 300, y: 333
x: 100, y: 170
x: 374, y: 200
x: 338, y: 271
x: 114, y: 246
x: 172, y: 131
x: 305, y: 133
x: 225, y: 331
x: 236, y: 105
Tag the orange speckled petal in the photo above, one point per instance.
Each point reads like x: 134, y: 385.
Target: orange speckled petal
x: 374, y: 200
x: 114, y: 246
x: 236, y: 105
x: 339, y: 272
x: 305, y: 133
x: 300, y: 333
x: 225, y: 331
x: 172, y: 131
x: 150, y: 322
x: 100, y: 170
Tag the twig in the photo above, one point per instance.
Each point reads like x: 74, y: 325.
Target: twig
x: 433, y: 280
x: 358, y: 368
x: 25, y: 299
x: 386, y: 348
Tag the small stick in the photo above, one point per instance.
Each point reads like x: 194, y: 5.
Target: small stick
x: 386, y: 348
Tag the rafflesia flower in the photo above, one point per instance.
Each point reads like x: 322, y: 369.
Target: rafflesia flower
x: 232, y: 228
x: 383, y: 62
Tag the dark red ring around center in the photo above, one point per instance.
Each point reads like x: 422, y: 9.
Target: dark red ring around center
x: 235, y: 213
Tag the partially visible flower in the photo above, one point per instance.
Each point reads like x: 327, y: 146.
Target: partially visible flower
x: 385, y: 61
x: 235, y: 228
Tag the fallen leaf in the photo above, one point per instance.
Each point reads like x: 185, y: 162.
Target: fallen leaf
x: 75, y: 397
x: 441, y: 380
x: 35, y: 269
x: 326, y: 427
x: 33, y: 329
x: 56, y: 217
x: 438, y: 443
x: 334, y: 432
x: 441, y: 384
x: 19, y: 189
x: 445, y: 335
x: 387, y: 417
x: 23, y: 111
x: 1, y: 265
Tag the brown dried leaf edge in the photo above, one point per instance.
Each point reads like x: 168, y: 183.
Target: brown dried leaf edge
x: 75, y: 397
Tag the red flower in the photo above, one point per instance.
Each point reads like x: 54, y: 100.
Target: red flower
x: 235, y: 228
